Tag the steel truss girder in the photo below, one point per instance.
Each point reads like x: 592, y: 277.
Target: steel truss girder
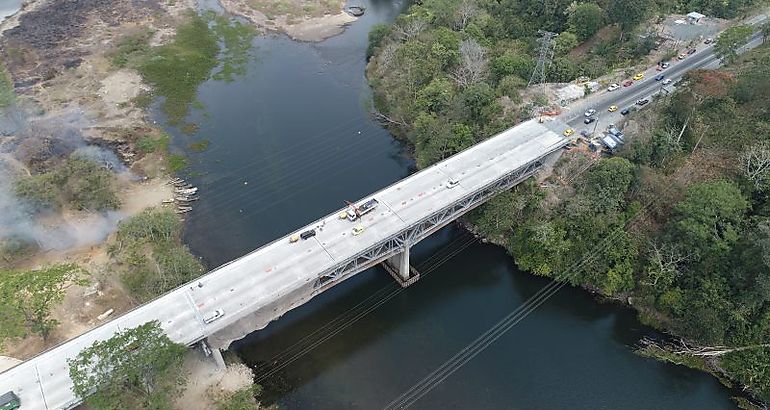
x: 409, y: 236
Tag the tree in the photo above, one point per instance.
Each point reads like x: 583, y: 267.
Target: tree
x: 765, y: 31
x: 628, y: 13
x: 707, y: 221
x: 665, y: 264
x: 378, y: 33
x: 607, y: 183
x: 584, y: 19
x: 472, y: 67
x: 138, y: 368
x: 464, y: 14
x: 242, y: 399
x: 755, y: 163
x: 565, y: 42
x: 27, y: 298
x: 730, y: 41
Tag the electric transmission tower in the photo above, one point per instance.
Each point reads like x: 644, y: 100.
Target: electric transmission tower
x: 544, y: 58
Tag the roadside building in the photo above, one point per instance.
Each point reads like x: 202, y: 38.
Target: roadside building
x: 695, y: 17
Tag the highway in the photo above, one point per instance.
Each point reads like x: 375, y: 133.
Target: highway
x: 261, y: 286
x: 625, y: 97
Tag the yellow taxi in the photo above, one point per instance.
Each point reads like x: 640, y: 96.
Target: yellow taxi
x: 638, y: 77
x: 293, y: 238
x: 568, y: 132
x: 358, y: 230
x: 612, y: 108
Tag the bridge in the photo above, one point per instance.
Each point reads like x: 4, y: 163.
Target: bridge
x: 246, y: 294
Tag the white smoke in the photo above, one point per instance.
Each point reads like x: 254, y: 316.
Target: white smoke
x: 62, y: 136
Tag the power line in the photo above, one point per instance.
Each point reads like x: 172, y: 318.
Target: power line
x: 471, y: 350
x: 348, y: 321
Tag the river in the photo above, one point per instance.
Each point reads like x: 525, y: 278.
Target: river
x: 8, y: 8
x: 290, y: 141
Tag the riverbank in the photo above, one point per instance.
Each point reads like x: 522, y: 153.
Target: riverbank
x: 311, y: 21
x: 68, y: 95
x: 647, y: 213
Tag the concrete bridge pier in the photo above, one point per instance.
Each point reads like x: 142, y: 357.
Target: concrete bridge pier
x: 399, y: 268
x: 215, y: 354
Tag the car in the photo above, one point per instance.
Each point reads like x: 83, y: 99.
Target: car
x: 681, y: 56
x: 613, y: 87
x: 691, y: 51
x: 357, y: 230
x: 307, y: 234
x: 293, y: 238
x: 625, y: 111
x: 659, y: 77
x: 451, y: 183
x: 612, y: 108
x: 667, y: 81
x: 589, y: 112
x: 568, y: 132
x: 638, y: 77
x: 628, y: 83
x: 214, y: 316
x: 589, y: 120
x: 585, y: 133
x: 642, y: 101
x: 664, y: 65
x: 708, y: 40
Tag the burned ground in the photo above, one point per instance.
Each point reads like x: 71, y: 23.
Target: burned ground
x: 57, y: 36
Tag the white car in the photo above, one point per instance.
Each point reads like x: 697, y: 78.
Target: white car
x: 214, y: 316
x: 667, y: 81
x: 451, y: 183
x: 589, y: 112
x: 613, y: 87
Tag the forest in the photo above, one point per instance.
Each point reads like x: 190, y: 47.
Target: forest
x: 677, y: 224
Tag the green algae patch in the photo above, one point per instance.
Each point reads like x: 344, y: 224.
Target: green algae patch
x: 175, y: 70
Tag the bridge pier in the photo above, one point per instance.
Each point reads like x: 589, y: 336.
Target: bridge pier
x: 399, y: 268
x: 215, y: 354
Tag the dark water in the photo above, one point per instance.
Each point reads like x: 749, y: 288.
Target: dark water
x: 289, y: 142
x: 8, y: 7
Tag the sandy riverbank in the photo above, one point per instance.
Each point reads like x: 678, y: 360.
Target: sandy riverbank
x: 311, y: 21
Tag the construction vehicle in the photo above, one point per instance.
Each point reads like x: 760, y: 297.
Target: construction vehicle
x: 356, y: 211
x: 9, y: 401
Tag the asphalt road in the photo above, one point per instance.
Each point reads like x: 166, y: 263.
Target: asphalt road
x: 625, y: 97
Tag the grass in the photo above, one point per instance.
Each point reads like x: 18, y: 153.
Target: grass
x: 236, y: 40
x: 199, y: 146
x: 142, y: 100
x: 177, y: 162
x: 175, y: 70
x: 7, y: 95
x: 130, y: 49
x: 148, y: 144
x: 190, y: 128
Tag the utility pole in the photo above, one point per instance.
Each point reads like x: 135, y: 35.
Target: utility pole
x: 544, y: 58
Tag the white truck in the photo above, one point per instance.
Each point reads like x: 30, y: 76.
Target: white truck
x: 356, y: 211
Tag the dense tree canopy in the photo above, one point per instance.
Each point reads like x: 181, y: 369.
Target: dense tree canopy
x: 138, y: 368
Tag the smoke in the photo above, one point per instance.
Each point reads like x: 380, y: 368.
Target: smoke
x: 37, y: 143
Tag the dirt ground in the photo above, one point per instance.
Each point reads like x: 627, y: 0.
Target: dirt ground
x: 206, y: 381
x: 55, y: 51
x: 312, y: 21
x: 83, y: 305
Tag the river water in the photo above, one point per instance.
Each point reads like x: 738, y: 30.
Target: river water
x: 290, y: 141
x: 8, y: 7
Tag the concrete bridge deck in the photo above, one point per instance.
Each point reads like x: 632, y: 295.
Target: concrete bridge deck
x: 264, y: 284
